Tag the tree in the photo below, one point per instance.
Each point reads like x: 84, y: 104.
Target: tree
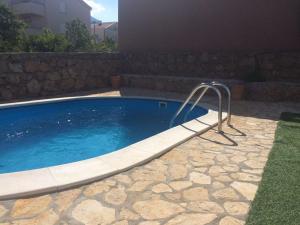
x: 47, y: 41
x: 11, y: 30
x: 78, y: 36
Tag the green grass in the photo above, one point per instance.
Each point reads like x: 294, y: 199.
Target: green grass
x: 277, y: 201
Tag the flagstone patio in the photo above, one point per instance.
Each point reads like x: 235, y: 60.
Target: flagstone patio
x: 210, y: 179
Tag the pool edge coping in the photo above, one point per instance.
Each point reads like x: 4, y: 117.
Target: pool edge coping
x: 61, y: 177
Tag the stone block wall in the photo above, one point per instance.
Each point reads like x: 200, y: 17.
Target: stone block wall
x: 274, y: 66
x: 257, y: 91
x: 180, y: 72
x: 33, y: 75
x: 47, y: 74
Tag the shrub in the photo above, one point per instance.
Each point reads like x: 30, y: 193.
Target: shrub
x: 47, y: 41
x: 256, y: 74
x: 105, y: 46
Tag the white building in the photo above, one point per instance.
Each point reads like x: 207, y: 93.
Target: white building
x: 51, y: 14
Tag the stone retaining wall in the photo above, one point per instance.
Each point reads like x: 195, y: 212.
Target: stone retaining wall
x: 180, y: 72
x: 276, y: 66
x: 257, y: 91
x: 47, y: 74
x: 32, y: 75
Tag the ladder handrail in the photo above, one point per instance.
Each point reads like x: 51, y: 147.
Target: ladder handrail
x: 215, y: 83
x: 196, y: 89
x: 195, y: 103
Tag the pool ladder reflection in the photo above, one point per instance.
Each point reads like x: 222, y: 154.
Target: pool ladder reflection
x: 206, y: 86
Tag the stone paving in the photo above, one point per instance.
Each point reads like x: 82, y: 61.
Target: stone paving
x: 210, y: 179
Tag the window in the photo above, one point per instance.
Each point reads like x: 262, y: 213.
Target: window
x: 62, y: 7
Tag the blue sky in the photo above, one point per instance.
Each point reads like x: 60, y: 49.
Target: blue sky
x: 104, y: 10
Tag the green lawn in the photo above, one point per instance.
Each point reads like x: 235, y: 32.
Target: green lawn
x: 278, y: 198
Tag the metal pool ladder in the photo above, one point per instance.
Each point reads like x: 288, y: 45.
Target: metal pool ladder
x: 206, y: 86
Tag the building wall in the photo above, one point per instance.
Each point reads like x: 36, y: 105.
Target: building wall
x: 99, y: 31
x: 112, y: 32
x: 204, y: 25
x: 106, y: 31
x: 4, y: 2
x: 60, y: 12
x: 54, y: 14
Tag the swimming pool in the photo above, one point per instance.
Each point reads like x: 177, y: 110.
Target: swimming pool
x: 44, y: 135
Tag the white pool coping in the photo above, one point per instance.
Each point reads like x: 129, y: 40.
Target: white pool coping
x: 56, y: 178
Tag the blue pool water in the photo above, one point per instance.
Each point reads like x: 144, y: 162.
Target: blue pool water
x: 51, y: 134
